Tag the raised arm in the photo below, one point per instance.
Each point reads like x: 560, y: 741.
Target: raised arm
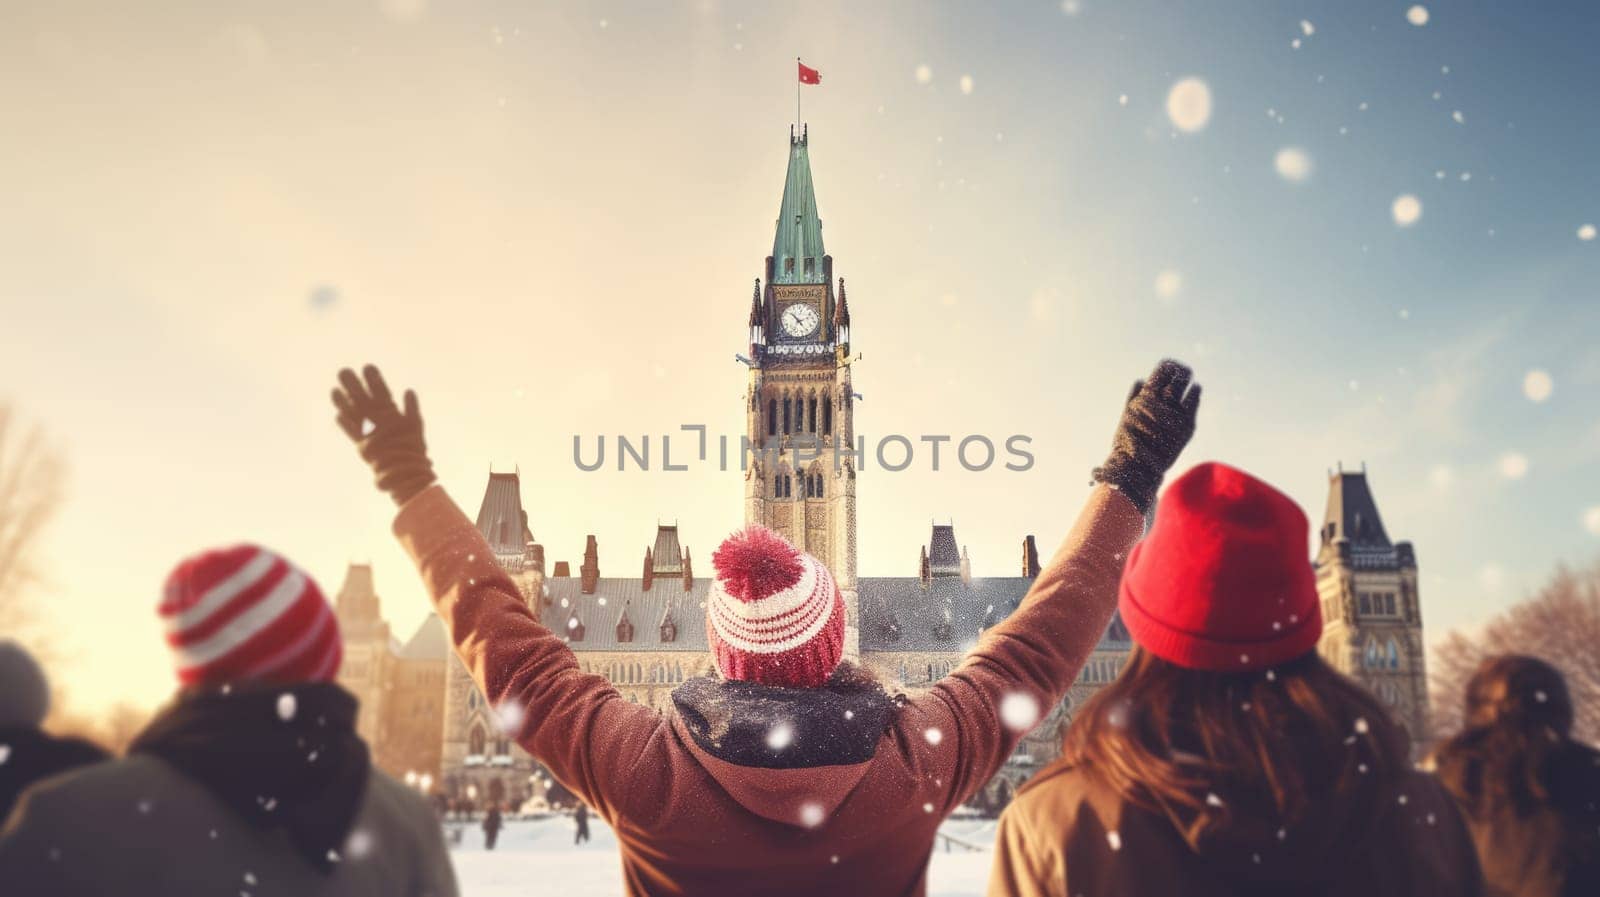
x: 575, y: 723
x: 1020, y: 669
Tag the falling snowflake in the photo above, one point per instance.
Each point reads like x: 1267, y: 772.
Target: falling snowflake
x: 811, y: 814
x: 1362, y: 767
x: 1403, y: 800
x: 966, y: 84
x: 286, y: 706
x: 1586, y: 232
x: 1307, y: 28
x: 333, y: 855
x: 849, y: 714
x: 1406, y: 209
x: 1169, y: 284
x: 780, y: 736
x: 1114, y: 838
x: 1213, y: 800
x: 1272, y: 675
x: 359, y: 844
x: 1361, y: 726
x: 5, y: 753
x: 1441, y: 476
x: 1283, y: 834
x: 1432, y: 819
x: 145, y: 807
x: 1244, y: 658
x: 1417, y: 15
x: 1540, y: 696
x: 1513, y: 465
x: 1019, y: 711
x: 1591, y: 520
x: 1122, y: 100
x: 924, y: 74
x: 1537, y: 385
x: 1293, y: 164
x: 1071, y: 7
x: 1189, y: 104
x: 933, y: 735
x: 249, y: 878
x: 510, y: 716
x: 1459, y: 118
x: 834, y: 859
x: 927, y: 807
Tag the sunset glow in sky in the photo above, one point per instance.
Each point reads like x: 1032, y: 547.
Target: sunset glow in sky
x: 1373, y: 237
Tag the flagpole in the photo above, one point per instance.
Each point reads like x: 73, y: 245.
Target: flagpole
x: 797, y: 124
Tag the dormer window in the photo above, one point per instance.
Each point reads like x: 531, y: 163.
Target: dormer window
x: 669, y: 632
x: 788, y: 264
x: 811, y: 266
x: 624, y: 630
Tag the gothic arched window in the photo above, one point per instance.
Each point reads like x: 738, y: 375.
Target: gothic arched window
x: 1388, y: 603
x: 827, y: 418
x: 475, y: 740
x: 1394, y: 655
x: 772, y: 417
x: 1365, y: 600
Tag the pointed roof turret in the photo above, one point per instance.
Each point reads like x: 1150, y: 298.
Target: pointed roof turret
x: 799, y: 229
x: 1352, y: 512
x: 501, y: 519
x: 755, y: 304
x: 841, y: 312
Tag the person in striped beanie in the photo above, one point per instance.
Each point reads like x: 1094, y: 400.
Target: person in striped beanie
x: 255, y: 767
x: 788, y: 758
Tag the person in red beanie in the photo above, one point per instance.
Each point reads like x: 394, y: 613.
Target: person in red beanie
x: 1228, y: 758
x: 253, y: 774
x: 790, y: 772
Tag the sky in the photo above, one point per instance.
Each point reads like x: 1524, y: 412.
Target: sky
x: 1365, y: 234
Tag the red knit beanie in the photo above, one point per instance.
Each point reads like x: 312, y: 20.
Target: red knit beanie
x: 246, y: 614
x: 774, y: 614
x: 1223, y: 582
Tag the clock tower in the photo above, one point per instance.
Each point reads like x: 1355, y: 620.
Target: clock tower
x: 800, y: 472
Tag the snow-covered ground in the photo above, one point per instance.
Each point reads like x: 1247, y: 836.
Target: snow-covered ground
x: 538, y: 857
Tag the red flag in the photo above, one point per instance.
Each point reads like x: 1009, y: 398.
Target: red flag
x: 809, y: 75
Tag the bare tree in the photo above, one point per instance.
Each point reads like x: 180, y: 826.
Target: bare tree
x: 1559, y: 623
x: 31, y: 477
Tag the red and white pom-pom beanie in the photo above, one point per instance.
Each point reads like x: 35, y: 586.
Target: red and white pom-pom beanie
x: 774, y: 614
x: 244, y: 614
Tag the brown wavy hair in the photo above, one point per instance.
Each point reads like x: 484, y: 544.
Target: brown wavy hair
x: 1205, y: 748
x: 1518, y: 724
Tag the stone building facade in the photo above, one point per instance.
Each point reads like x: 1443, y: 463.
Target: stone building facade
x: 400, y: 686
x: 1371, y: 610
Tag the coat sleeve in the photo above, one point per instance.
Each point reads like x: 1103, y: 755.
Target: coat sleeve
x: 1020, y: 669
x: 575, y: 723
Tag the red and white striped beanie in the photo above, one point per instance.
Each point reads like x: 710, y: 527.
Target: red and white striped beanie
x: 246, y: 614
x: 774, y: 614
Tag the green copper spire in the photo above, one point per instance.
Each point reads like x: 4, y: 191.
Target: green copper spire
x: 797, y: 246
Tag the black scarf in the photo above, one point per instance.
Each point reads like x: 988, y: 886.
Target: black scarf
x: 836, y: 724
x: 280, y: 756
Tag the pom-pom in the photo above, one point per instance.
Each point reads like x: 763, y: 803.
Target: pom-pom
x: 755, y: 563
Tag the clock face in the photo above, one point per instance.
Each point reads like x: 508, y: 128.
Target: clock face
x: 800, y: 320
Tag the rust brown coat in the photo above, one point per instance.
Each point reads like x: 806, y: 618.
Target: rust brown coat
x: 1067, y: 834
x: 690, y: 823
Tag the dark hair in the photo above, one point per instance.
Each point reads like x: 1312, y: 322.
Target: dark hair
x: 1518, y: 718
x: 1202, y: 747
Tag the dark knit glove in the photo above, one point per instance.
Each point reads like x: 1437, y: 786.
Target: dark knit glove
x: 1156, y: 424
x: 389, y: 441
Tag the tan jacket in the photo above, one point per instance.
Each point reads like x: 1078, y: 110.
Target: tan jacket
x: 137, y: 827
x: 692, y: 823
x: 1066, y: 834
